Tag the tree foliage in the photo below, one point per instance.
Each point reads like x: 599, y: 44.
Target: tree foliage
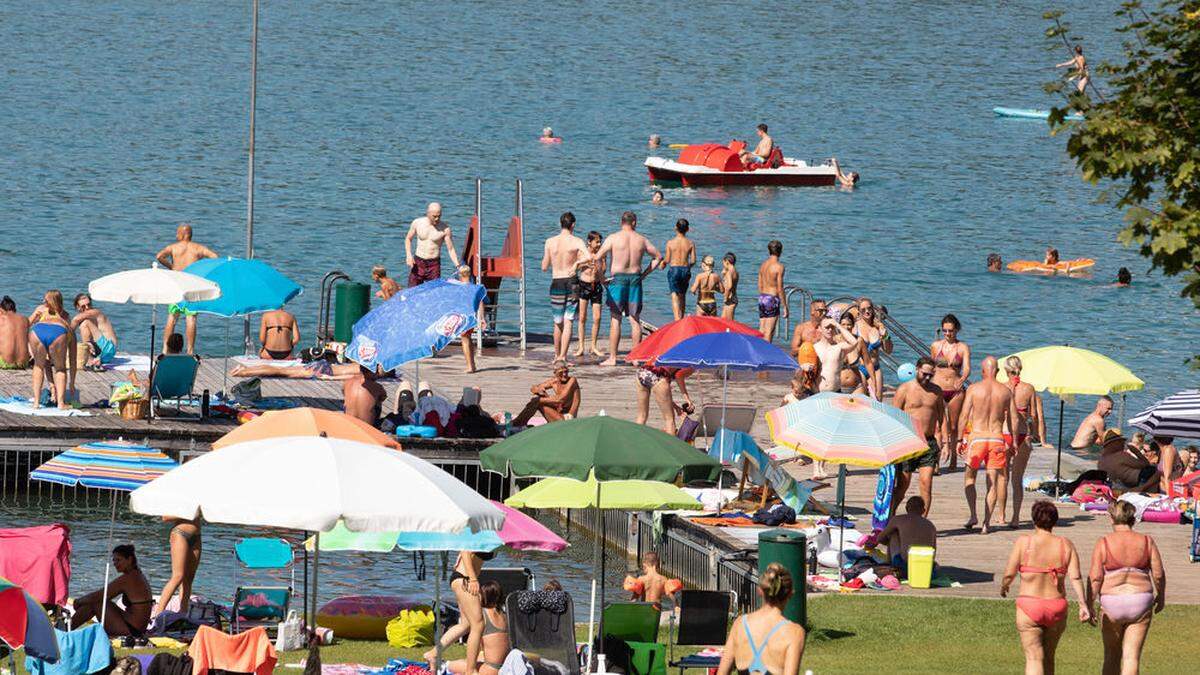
x: 1141, y: 133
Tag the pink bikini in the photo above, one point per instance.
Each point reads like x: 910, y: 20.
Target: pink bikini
x: 1127, y: 607
x: 1045, y: 612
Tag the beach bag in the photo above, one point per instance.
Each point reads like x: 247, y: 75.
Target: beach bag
x: 687, y: 429
x: 247, y: 391
x: 291, y: 633
x: 413, y: 628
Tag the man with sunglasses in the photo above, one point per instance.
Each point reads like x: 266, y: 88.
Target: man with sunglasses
x: 922, y: 400
x: 97, y: 339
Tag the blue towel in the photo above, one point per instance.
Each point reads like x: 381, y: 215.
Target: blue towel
x: 86, y: 650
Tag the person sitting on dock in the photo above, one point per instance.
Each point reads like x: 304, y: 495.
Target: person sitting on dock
x: 178, y: 256
x: 430, y: 232
x: 627, y: 247
x: 97, y: 344
x: 387, y: 286
x: 363, y: 397
x: 278, y: 334
x: 557, y: 398
x: 761, y: 151
x: 906, y: 530
x: 1128, y: 468
x: 14, y: 337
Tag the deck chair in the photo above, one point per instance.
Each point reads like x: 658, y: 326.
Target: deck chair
x: 174, y: 376
x: 703, y: 622
x: 265, y: 606
x: 635, y: 624
x: 546, y: 636
x: 511, y: 579
x: 738, y: 417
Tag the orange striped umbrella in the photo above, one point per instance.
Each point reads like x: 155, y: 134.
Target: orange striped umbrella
x: 307, y: 422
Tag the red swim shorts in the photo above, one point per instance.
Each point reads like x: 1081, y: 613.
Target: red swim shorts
x: 991, y: 453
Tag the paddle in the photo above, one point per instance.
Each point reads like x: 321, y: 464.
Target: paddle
x: 677, y: 146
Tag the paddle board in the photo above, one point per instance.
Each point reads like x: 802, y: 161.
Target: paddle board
x: 881, y: 508
x: 1030, y: 114
x: 1076, y: 266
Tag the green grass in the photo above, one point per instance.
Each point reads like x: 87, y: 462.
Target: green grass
x: 866, y: 633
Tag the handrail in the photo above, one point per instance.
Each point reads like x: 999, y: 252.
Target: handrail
x: 806, y: 297
x: 323, y: 333
x: 906, y: 336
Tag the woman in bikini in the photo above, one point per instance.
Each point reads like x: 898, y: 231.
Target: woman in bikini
x: 706, y: 285
x: 875, y: 338
x: 952, y: 363
x: 495, y: 644
x: 852, y: 379
x: 764, y: 641
x: 1127, y: 576
x: 729, y: 284
x: 1045, y: 561
x: 464, y: 581
x: 1081, y: 76
x: 278, y: 334
x: 52, y: 346
x: 655, y: 381
x: 185, y: 543
x: 134, y: 591
x: 1029, y: 418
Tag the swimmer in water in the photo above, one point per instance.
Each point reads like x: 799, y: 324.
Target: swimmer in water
x: 1051, y: 257
x: 548, y: 136
x: 658, y: 199
x: 994, y: 262
x: 1079, y: 63
x: 1124, y: 278
x: 655, y: 141
x: 845, y: 179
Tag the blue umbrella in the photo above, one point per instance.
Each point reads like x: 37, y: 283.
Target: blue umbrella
x: 247, y: 286
x: 415, y: 323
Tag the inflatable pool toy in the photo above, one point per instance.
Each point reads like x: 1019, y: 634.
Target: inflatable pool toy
x: 1076, y: 266
x: 673, y: 586
x: 364, y: 617
x: 906, y: 372
x: 1031, y: 114
x: 882, y: 507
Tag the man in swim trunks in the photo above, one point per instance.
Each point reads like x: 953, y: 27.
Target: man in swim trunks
x: 1092, y: 427
x: 97, y: 339
x: 987, y: 408
x: 810, y: 330
x: 14, y: 336
x: 563, y: 254
x: 770, y: 290
x: 923, y: 401
x: 430, y: 232
x: 761, y: 151
x: 626, y: 248
x: 178, y: 256
x: 557, y: 398
x: 278, y: 334
x: 678, y: 257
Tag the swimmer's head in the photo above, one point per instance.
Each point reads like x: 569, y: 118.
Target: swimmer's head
x: 682, y: 225
x: 1124, y: 277
x: 658, y: 197
x: 547, y: 132
x: 567, y: 221
x: 729, y: 258
x: 707, y: 263
x: 1052, y: 255
x: 183, y: 232
x: 853, y: 177
x: 994, y: 262
x: 655, y: 141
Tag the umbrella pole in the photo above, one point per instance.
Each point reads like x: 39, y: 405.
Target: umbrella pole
x: 841, y: 490
x: 150, y: 378
x: 591, y: 638
x: 108, y: 564
x: 309, y: 624
x: 437, y: 612
x: 316, y: 566
x: 721, y: 470
x: 1058, y: 463
x: 600, y: 615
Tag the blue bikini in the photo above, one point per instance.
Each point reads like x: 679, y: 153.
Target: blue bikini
x: 47, y: 333
x: 756, y: 651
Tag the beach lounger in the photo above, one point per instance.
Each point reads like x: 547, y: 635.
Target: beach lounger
x: 635, y: 624
x: 545, y: 633
x: 265, y: 606
x: 703, y: 622
x: 738, y: 417
x: 174, y: 377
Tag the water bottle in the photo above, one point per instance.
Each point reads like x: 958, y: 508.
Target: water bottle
x: 812, y: 560
x: 204, y: 398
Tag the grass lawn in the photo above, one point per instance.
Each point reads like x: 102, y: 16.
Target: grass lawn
x: 896, y: 634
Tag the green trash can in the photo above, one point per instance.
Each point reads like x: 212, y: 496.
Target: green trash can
x: 350, y: 301
x: 788, y: 548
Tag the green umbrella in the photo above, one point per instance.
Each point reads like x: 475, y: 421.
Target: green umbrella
x: 631, y: 495
x: 605, y: 447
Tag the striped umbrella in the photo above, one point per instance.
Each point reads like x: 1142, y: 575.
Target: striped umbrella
x: 1177, y: 415
x: 846, y: 429
x: 115, y: 465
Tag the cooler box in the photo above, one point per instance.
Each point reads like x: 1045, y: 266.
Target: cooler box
x: 1187, y: 486
x: 920, y: 566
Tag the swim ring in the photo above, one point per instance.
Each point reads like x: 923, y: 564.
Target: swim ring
x: 364, y: 617
x: 1061, y: 267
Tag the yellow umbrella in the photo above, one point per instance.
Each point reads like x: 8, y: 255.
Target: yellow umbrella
x: 1064, y: 371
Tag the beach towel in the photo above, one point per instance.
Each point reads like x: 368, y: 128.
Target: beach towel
x: 129, y: 362
x: 23, y: 407
x: 253, y: 361
x: 249, y: 652
x: 84, y: 650
x: 38, y: 559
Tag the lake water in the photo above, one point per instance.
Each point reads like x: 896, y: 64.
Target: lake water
x: 123, y: 119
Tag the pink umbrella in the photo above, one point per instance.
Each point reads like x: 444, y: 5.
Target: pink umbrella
x: 523, y: 533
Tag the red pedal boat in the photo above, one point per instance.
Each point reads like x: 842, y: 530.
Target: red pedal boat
x: 712, y: 164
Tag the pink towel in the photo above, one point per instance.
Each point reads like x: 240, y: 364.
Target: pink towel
x: 38, y: 559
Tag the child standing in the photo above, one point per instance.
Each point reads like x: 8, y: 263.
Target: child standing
x: 591, y: 290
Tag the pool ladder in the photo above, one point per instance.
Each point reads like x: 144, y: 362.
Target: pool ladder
x: 901, y: 335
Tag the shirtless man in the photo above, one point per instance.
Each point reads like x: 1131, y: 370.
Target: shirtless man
x: 922, y: 400
x: 430, y: 233
x: 278, y: 334
x: 1081, y: 75
x: 97, y: 339
x: 846, y: 179
x: 770, y: 291
x: 14, y: 337
x: 761, y: 151
x: 1092, y: 426
x: 387, y: 286
x: 678, y: 257
x: 1029, y: 417
x: 987, y: 407
x: 627, y: 247
x: 563, y: 254
x: 909, y: 529
x: 178, y: 256
x: 362, y: 396
x: 557, y: 398
x: 831, y: 357
x: 810, y: 331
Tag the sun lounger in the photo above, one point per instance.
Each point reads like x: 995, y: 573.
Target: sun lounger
x: 511, y: 579
x: 544, y: 631
x: 634, y: 625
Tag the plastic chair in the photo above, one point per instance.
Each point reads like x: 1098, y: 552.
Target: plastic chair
x: 265, y: 606
x: 703, y: 622
x: 174, y: 377
x: 631, y: 621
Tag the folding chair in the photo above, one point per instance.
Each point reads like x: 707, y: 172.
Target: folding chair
x: 703, y: 622
x: 546, y: 637
x: 174, y: 377
x: 265, y: 606
x: 738, y: 417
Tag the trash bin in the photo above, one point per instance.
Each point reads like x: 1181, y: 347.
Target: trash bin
x: 350, y: 301
x: 788, y: 548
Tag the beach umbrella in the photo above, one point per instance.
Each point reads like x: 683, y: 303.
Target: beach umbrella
x: 247, y: 287
x: 152, y: 286
x: 1065, y: 371
x: 628, y: 495
x: 117, y: 466
x: 307, y: 422
x: 23, y: 623
x: 415, y: 323
x: 675, y: 332
x: 1177, y: 416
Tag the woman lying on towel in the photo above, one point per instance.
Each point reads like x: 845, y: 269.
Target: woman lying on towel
x: 134, y: 590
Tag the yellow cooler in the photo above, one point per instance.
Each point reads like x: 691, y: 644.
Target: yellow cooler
x: 920, y: 566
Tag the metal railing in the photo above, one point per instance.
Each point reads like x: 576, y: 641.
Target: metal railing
x: 805, y: 300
